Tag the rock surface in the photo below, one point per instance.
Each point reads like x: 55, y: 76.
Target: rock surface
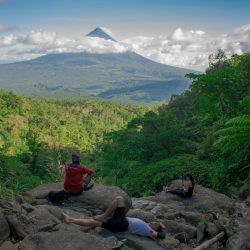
x: 4, y: 228
x: 188, y: 222
x: 7, y: 245
x: 203, y: 199
x: 63, y: 239
x: 240, y: 240
x: 98, y: 198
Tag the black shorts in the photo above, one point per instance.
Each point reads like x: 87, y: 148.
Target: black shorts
x: 78, y: 193
x: 118, y: 222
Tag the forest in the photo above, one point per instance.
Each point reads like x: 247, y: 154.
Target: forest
x: 205, y: 130
x: 38, y: 136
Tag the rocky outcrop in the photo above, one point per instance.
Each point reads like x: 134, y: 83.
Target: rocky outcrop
x: 96, y: 199
x: 203, y: 199
x: 4, y: 228
x: 189, y: 222
x: 65, y: 239
x: 240, y: 240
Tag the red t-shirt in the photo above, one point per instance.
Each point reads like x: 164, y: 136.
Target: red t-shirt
x: 73, y: 181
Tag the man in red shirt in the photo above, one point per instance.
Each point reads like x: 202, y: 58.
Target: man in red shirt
x: 74, y: 172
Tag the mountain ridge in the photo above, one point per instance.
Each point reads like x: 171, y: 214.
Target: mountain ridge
x: 93, y: 74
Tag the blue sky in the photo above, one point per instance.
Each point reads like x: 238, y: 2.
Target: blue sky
x: 126, y: 18
x: 151, y: 19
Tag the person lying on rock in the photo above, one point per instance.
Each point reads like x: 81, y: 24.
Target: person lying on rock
x: 74, y: 183
x: 185, y: 191
x: 115, y: 220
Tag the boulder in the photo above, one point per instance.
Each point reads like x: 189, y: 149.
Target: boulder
x: 39, y: 219
x: 141, y: 214
x: 198, y: 201
x: 211, y: 230
x: 66, y: 240
x: 27, y: 207
x: 158, y: 209
x: 240, y: 240
x: 145, y: 204
x: 99, y: 197
x: 182, y: 237
x: 134, y: 242
x: 40, y: 227
x: 183, y: 246
x: 137, y: 242
x: 7, y: 245
x: 200, y: 232
x: 176, y: 228
x: 17, y: 227
x: 170, y: 243
x: 190, y: 217
x: 4, y: 228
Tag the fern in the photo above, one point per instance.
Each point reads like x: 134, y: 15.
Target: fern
x: 235, y: 136
x: 243, y: 120
x: 232, y: 130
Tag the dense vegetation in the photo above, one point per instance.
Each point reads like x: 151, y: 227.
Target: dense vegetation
x: 37, y: 136
x: 205, y: 130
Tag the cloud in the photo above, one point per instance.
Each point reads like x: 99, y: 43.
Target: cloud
x: 184, y: 48
x: 39, y: 38
x: 4, y: 28
x: 38, y: 43
x: 190, y: 48
x: 191, y: 36
x: 7, y: 40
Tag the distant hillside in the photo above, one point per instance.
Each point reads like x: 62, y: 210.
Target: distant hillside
x: 123, y: 76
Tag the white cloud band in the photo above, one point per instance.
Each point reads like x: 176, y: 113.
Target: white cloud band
x: 189, y: 48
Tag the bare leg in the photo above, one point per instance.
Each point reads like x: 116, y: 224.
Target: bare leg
x: 81, y: 222
x: 117, y: 202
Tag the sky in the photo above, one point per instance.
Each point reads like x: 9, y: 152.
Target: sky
x: 174, y: 32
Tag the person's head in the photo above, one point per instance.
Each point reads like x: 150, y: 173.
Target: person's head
x: 75, y: 159
x: 156, y: 226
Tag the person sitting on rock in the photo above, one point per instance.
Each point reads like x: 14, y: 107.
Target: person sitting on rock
x: 185, y: 191
x: 115, y: 220
x: 74, y: 183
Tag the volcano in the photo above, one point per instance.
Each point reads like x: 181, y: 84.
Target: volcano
x: 125, y: 76
x: 100, y: 33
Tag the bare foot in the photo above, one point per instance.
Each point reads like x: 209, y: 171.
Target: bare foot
x: 99, y: 217
x: 65, y: 218
x: 165, y: 189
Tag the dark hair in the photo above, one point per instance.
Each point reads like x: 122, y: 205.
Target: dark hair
x: 159, y: 230
x: 75, y: 159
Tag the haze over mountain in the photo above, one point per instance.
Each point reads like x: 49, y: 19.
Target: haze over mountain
x: 123, y: 76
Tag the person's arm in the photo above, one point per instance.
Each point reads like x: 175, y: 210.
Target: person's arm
x: 154, y: 235
x: 88, y: 171
x: 157, y: 236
